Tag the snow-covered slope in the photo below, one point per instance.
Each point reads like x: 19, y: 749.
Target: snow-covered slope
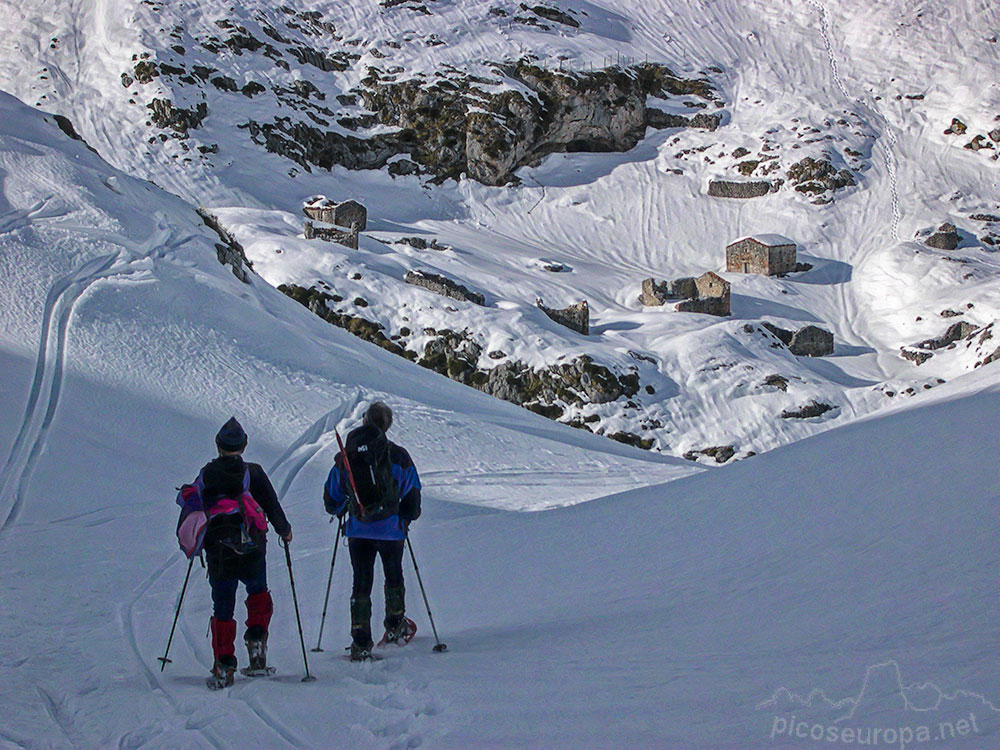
x: 847, y: 580
x: 869, y: 87
x: 685, y: 614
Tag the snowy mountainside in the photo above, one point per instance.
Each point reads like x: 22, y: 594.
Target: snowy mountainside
x: 251, y: 110
x: 619, y: 622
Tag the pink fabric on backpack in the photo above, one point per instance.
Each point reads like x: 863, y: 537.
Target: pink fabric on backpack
x: 191, y: 533
x: 254, y: 515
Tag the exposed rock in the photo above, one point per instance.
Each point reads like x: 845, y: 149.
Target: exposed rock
x: 348, y: 238
x: 955, y: 332
x: 776, y: 381
x: 915, y: 355
x: 744, y: 190
x: 630, y: 438
x: 957, y: 127
x: 229, y: 251
x: 985, y: 217
x: 721, y: 453
x: 810, y: 410
x: 783, y: 334
x: 444, y: 286
x: 811, y: 341
x: 553, y: 14
x: 348, y: 214
x: 815, y: 176
x: 656, y: 118
x: 945, y: 238
x: 950, y: 313
x: 165, y: 115
x: 575, y: 317
x: 319, y: 303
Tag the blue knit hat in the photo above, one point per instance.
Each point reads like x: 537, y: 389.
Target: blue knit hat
x: 231, y: 437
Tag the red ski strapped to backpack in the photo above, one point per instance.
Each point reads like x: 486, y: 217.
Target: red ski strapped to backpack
x: 194, y: 518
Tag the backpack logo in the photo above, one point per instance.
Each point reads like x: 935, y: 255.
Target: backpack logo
x: 369, y: 463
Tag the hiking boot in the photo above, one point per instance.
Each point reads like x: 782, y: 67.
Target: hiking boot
x: 361, y: 652
x: 223, y: 672
x: 256, y: 641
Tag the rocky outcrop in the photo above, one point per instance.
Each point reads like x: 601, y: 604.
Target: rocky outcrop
x: 955, y: 332
x: 229, y: 251
x: 815, y: 176
x: 444, y: 286
x: 809, y: 411
x: 721, y: 453
x: 347, y: 238
x: 318, y: 302
x: 575, y: 317
x: 809, y: 341
x: 165, y: 115
x: 946, y: 237
x: 742, y: 190
x: 456, y: 127
x: 656, y: 118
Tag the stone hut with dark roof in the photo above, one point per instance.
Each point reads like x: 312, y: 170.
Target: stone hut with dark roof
x: 769, y: 254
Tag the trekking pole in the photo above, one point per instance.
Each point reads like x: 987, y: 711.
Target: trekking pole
x: 164, y: 661
x: 295, y: 601
x: 438, y: 646
x: 329, y: 581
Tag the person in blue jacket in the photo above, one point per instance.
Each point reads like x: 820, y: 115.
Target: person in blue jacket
x: 380, y: 530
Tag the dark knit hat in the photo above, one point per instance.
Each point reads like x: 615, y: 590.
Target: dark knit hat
x: 379, y: 415
x: 231, y: 437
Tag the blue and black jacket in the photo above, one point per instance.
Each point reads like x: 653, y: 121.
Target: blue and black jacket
x: 335, y: 497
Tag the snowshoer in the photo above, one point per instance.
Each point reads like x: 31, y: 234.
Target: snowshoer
x: 236, y: 496
x: 386, y: 502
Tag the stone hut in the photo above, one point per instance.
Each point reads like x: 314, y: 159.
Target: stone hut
x: 709, y: 294
x: 769, y: 254
x: 344, y: 214
x: 347, y: 238
x: 656, y: 293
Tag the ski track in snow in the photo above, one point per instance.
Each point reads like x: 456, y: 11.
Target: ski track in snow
x: 848, y: 300
x: 50, y: 362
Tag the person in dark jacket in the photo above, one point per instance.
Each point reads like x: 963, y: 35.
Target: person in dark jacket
x: 384, y: 537
x: 235, y: 552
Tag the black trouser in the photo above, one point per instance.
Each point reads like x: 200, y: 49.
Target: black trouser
x: 363, y: 553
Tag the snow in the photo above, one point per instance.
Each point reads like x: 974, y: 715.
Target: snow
x: 771, y: 240
x: 591, y: 594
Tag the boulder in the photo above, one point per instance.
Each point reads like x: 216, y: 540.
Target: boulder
x: 575, y: 317
x: 444, y: 286
x: 945, y: 238
x: 811, y: 341
x: 810, y: 410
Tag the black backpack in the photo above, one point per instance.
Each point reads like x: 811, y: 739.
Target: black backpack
x: 367, y: 454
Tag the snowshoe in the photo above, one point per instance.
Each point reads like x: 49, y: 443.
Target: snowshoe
x: 401, y: 634
x: 359, y: 652
x: 223, y: 673
x: 257, y: 672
